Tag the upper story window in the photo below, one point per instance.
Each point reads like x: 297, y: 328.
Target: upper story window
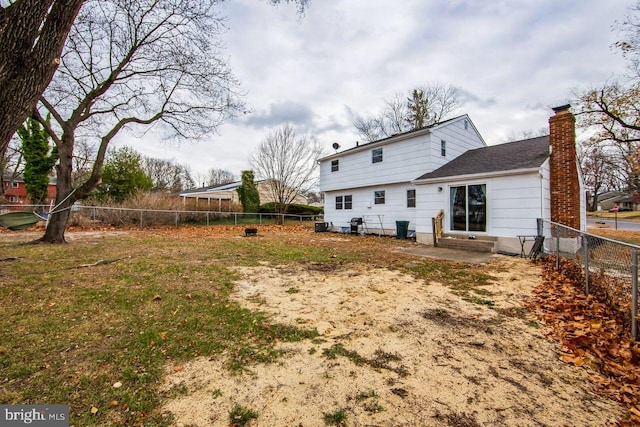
x: 466, y: 125
x: 376, y: 155
x: 378, y: 197
x: 411, y: 198
x: 335, y: 165
x: 15, y: 184
x: 443, y: 148
x: 338, y: 203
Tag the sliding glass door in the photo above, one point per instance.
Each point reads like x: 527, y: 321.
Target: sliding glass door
x: 468, y: 208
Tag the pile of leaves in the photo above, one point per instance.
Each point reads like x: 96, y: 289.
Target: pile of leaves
x: 592, y: 332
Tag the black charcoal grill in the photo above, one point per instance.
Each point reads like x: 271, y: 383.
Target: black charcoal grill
x: 355, y: 224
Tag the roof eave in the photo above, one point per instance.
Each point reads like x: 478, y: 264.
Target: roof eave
x: 468, y: 177
x: 370, y: 145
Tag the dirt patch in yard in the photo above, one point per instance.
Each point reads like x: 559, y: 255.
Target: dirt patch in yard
x: 393, y: 350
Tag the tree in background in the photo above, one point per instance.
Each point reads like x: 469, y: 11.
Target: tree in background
x: 11, y: 164
x: 166, y: 175
x: 600, y: 174
x: 82, y: 162
x: 417, y: 110
x: 612, y: 111
x: 425, y: 106
x: 248, y: 192
x: 288, y: 164
x: 39, y: 159
x: 220, y: 177
x: 123, y: 176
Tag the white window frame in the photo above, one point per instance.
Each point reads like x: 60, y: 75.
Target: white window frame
x: 376, y: 155
x: 347, y: 202
x: 411, y: 198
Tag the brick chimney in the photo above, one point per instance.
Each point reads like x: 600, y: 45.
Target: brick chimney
x: 565, y: 185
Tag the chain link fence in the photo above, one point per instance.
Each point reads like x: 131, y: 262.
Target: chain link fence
x: 112, y: 216
x: 609, y: 267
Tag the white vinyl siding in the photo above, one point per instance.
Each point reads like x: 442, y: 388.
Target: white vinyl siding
x: 513, y: 203
x: 405, y: 158
x: 377, y: 217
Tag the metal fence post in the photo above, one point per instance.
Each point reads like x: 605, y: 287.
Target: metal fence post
x: 141, y: 219
x: 555, y: 227
x: 634, y: 297
x: 585, y: 247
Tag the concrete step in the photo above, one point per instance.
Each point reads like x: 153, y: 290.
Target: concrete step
x: 466, y: 237
x: 484, y: 245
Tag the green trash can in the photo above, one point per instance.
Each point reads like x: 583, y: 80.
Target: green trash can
x: 401, y: 229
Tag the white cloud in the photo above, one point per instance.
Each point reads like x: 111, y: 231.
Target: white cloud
x: 511, y: 59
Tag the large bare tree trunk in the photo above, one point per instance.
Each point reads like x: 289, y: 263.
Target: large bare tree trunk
x: 32, y: 35
x: 65, y: 194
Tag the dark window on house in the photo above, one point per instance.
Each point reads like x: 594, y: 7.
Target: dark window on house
x: 376, y: 155
x: 13, y: 199
x: 15, y: 184
x: 378, y: 197
x: 443, y: 148
x: 411, y: 198
x: 338, y: 202
x: 466, y: 125
x: 348, y: 201
x: 335, y: 165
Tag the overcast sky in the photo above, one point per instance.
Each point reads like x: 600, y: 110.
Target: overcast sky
x: 511, y: 59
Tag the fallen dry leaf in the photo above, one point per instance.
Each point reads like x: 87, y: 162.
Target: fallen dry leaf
x: 589, y: 328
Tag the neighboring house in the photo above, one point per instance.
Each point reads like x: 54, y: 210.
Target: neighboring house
x: 610, y: 199
x: 215, y: 196
x: 495, y: 191
x: 15, y: 190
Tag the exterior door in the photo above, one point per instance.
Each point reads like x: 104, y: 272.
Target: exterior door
x: 468, y: 207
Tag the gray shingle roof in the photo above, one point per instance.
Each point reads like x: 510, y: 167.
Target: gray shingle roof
x: 525, y: 154
x: 214, y: 188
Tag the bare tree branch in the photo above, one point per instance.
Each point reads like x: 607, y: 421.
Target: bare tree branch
x: 288, y: 163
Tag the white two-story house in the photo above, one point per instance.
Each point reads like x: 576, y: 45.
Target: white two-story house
x: 495, y: 191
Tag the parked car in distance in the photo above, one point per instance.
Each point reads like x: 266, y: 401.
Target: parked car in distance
x: 620, y: 209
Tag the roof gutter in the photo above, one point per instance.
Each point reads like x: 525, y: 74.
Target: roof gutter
x: 473, y: 176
